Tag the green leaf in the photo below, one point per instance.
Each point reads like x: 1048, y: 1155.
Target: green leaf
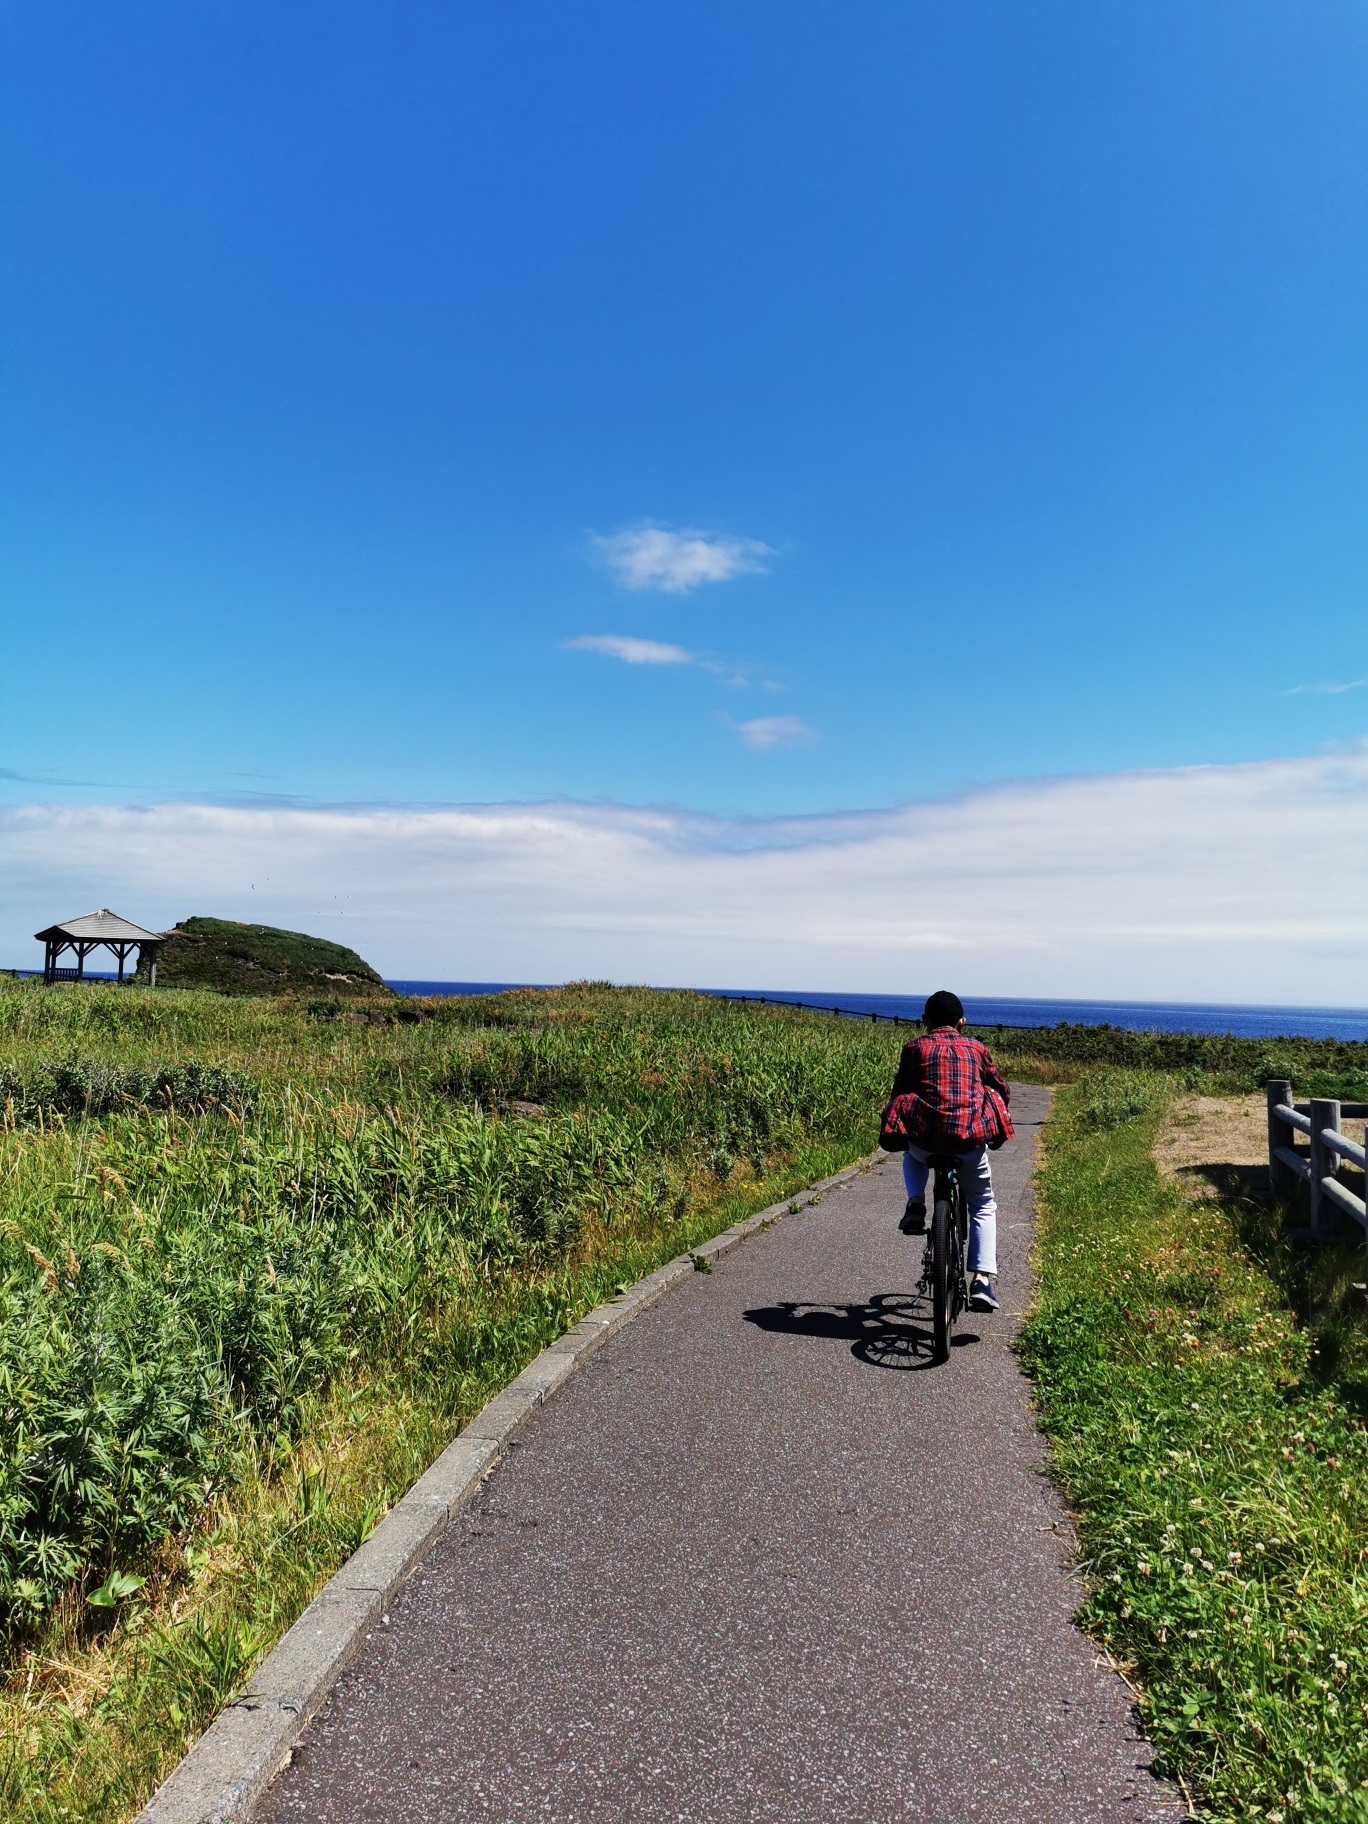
x: 114, y: 1591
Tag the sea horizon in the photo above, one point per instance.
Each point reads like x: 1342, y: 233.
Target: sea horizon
x: 1237, y: 1019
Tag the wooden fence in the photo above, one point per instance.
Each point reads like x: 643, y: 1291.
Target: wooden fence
x: 1319, y: 1165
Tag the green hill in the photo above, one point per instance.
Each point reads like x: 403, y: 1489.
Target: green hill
x: 218, y: 954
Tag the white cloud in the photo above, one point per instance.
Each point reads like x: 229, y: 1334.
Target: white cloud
x: 652, y: 557
x: 768, y: 732
x: 633, y: 652
x: 1329, y: 690
x: 1208, y: 883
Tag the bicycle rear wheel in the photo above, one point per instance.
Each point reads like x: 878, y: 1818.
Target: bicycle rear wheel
x: 961, y: 1252
x: 942, y: 1276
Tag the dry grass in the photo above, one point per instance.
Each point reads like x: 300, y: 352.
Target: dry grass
x: 1211, y: 1144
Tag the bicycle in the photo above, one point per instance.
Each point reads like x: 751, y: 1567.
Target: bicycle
x: 944, y: 1279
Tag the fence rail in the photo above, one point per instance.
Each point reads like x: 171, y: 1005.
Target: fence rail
x: 1319, y: 1165
x: 857, y: 1013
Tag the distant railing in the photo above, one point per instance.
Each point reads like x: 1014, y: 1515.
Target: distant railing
x: 97, y: 978
x: 1318, y: 1165
x: 855, y: 1013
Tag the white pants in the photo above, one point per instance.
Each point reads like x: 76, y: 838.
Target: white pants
x: 976, y: 1181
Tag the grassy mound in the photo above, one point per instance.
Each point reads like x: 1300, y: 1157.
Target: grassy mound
x: 229, y: 958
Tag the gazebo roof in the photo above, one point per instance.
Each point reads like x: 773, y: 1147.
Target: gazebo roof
x: 99, y: 927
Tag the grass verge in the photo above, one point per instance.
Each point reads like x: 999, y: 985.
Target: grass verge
x: 1204, y: 1386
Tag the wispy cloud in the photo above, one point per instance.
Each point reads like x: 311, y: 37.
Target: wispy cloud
x: 55, y: 780
x: 635, y: 651
x: 653, y: 557
x: 1328, y: 690
x: 632, y: 652
x: 1235, y: 883
x: 766, y: 733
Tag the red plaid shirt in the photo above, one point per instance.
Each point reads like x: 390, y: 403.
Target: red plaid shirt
x: 948, y: 1096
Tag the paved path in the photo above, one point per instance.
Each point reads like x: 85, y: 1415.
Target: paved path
x: 757, y: 1560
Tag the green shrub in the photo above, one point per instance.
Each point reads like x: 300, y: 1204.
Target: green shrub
x: 118, y: 1423
x: 1110, y: 1099
x: 75, y: 1086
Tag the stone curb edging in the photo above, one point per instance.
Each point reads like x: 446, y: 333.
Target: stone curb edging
x: 235, y: 1759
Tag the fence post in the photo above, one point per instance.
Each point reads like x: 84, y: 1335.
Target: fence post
x: 1324, y: 1164
x: 1281, y: 1180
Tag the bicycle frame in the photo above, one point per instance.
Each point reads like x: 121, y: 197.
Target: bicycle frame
x: 944, y: 1278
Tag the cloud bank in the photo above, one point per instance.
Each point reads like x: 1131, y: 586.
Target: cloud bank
x: 652, y: 557
x: 1213, y: 883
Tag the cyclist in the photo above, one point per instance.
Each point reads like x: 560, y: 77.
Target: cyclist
x: 949, y: 1098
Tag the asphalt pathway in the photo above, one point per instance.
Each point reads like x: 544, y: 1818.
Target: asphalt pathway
x: 757, y: 1559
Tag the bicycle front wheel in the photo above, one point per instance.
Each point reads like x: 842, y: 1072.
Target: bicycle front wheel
x: 942, y: 1276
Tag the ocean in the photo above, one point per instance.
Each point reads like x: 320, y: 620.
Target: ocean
x: 1134, y: 1016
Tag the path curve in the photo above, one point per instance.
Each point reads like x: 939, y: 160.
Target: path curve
x: 757, y: 1560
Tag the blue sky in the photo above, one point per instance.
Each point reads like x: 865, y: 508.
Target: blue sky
x: 929, y: 397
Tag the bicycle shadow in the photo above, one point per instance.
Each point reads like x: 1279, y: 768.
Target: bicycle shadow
x: 889, y: 1330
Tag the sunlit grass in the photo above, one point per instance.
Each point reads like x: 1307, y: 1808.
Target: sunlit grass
x: 1204, y: 1387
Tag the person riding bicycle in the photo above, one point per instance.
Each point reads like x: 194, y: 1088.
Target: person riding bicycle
x: 949, y: 1098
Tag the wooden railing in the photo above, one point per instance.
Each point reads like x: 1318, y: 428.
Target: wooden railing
x: 1319, y: 1165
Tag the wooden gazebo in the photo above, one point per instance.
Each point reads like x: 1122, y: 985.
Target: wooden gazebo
x: 96, y: 930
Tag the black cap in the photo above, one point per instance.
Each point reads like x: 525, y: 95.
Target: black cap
x: 942, y: 1009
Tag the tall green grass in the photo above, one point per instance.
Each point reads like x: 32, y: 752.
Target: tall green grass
x: 1205, y: 1387
x: 260, y: 1261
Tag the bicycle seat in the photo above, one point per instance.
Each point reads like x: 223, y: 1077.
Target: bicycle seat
x: 944, y: 1162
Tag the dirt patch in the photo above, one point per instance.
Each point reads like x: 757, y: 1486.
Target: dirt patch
x: 1212, y: 1144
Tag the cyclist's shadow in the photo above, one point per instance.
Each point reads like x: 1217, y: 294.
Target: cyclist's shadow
x: 889, y: 1330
